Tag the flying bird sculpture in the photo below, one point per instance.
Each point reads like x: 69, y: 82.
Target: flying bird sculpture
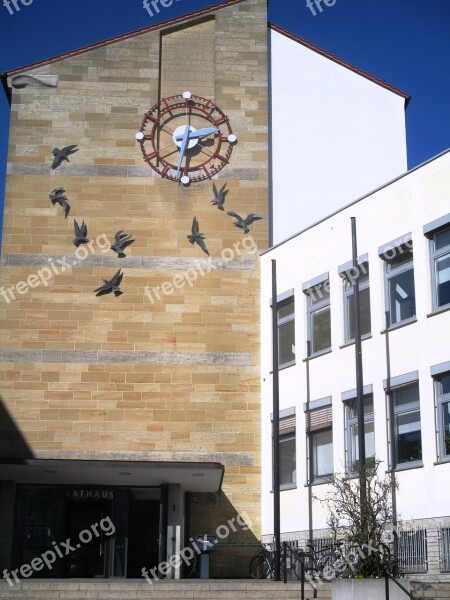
x: 219, y: 196
x: 63, y: 154
x: 57, y: 196
x: 111, y: 285
x: 244, y: 223
x: 80, y: 233
x: 196, y: 237
x: 122, y: 240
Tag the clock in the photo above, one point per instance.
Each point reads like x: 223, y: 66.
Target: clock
x: 186, y: 138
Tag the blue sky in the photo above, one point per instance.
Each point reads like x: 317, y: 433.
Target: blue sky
x: 404, y: 42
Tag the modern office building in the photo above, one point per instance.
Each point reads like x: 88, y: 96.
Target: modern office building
x: 403, y: 235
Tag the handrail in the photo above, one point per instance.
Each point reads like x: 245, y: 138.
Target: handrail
x: 387, y: 577
x: 300, y: 556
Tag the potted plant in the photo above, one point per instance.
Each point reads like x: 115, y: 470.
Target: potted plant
x: 362, y: 525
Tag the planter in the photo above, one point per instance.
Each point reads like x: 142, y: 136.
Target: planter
x: 368, y: 589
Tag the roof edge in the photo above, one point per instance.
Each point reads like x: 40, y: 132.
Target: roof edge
x: 341, y: 62
x: 125, y: 36
x: 357, y: 201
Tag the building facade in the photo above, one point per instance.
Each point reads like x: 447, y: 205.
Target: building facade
x: 403, y: 234
x: 132, y: 359
x: 140, y: 405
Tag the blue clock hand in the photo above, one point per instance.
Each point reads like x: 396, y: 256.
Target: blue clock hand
x: 184, y: 143
x: 200, y: 133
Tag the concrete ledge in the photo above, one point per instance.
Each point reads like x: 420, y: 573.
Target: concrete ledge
x: 373, y: 589
x: 236, y: 459
x: 138, y: 357
x: 163, y: 263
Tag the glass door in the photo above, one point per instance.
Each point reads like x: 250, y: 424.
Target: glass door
x: 88, y: 558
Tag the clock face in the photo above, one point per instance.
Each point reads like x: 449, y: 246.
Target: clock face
x: 186, y: 138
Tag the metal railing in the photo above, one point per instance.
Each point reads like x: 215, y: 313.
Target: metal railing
x: 388, y: 577
x: 412, y: 551
x: 291, y: 554
x: 444, y: 549
x: 294, y: 553
x: 320, y: 543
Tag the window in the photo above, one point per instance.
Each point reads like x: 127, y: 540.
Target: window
x: 321, y: 454
x: 349, y: 300
x: 442, y: 385
x: 286, y: 332
x: 319, y: 316
x: 406, y: 427
x: 440, y: 252
x: 399, y: 284
x: 287, y: 460
x: 352, y: 432
x: 288, y: 475
x: 320, y: 438
x: 438, y: 233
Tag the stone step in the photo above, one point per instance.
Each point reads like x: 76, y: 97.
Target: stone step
x: 428, y: 590
x: 131, y: 589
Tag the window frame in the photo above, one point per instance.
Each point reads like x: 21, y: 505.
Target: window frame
x: 349, y: 421
x: 314, y: 478
x: 441, y: 398
x: 349, y: 291
x: 391, y: 271
x: 287, y: 319
x: 288, y: 437
x: 287, y: 417
x: 435, y: 255
x: 395, y: 412
x: 309, y: 290
x: 318, y: 418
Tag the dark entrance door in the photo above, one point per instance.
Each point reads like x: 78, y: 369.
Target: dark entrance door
x: 143, y: 531
x: 89, y: 557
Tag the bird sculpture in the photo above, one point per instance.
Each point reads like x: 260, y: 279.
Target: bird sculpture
x: 63, y: 154
x: 80, y: 233
x: 244, y: 223
x: 196, y: 237
x: 57, y: 196
x: 219, y: 196
x: 122, y: 240
x: 111, y: 285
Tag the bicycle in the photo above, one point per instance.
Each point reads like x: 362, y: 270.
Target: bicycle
x: 318, y: 563
x: 263, y: 564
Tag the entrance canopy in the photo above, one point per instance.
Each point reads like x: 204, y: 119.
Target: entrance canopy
x: 192, y: 476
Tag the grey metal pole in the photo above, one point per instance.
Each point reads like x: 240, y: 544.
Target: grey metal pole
x: 359, y: 380
x: 308, y: 425
x: 276, y: 427
x: 393, y: 452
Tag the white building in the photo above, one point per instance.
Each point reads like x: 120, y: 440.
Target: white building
x: 337, y: 133
x: 403, y: 231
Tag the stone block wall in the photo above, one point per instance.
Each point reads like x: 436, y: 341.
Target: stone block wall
x: 179, y: 374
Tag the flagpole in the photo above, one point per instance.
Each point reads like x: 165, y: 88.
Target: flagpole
x: 276, y: 427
